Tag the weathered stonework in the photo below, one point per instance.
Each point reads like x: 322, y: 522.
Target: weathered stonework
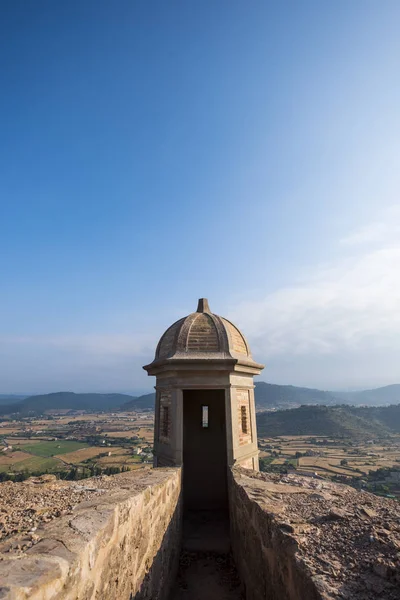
x: 238, y: 342
x: 298, y: 538
x: 122, y: 546
x: 264, y: 555
x: 165, y: 417
x: 293, y: 538
x: 203, y: 335
x: 205, y: 352
x: 243, y: 417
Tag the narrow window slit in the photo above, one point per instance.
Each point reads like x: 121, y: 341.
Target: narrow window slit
x: 243, y: 411
x: 165, y: 421
x: 204, y: 416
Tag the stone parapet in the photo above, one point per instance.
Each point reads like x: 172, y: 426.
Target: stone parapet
x: 297, y: 538
x: 120, y: 545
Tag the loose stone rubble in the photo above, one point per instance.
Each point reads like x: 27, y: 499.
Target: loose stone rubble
x: 349, y: 540
x: 289, y: 530
x: 114, y: 537
x: 25, y: 507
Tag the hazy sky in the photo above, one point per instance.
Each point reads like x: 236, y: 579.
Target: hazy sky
x: 155, y: 152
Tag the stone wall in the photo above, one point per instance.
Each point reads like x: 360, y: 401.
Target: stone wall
x: 264, y: 553
x: 123, y: 545
x: 301, y: 538
x: 119, y: 538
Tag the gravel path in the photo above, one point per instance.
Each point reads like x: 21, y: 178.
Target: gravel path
x: 206, y: 576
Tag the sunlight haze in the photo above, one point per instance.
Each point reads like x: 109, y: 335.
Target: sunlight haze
x: 155, y: 153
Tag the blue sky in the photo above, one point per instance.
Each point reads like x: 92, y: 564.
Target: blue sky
x: 155, y: 152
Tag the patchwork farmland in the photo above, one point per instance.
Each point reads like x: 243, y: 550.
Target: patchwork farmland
x: 370, y: 464
x: 81, y: 444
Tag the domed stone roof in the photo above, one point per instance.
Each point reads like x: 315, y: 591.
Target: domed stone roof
x: 202, y: 334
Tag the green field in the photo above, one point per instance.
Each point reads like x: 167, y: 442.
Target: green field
x: 33, y: 464
x: 52, y: 448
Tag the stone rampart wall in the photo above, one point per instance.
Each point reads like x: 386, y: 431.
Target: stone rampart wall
x: 122, y: 546
x: 301, y: 538
x: 264, y: 553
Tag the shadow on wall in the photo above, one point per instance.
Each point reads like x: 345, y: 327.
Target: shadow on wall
x: 160, y: 578
x: 263, y: 553
x: 122, y: 545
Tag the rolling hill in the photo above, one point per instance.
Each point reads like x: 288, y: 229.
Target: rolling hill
x: 267, y: 396
x: 270, y: 395
x: 338, y: 421
x: 390, y: 394
x: 66, y: 400
x: 8, y: 399
x: 142, y: 402
x: 72, y: 401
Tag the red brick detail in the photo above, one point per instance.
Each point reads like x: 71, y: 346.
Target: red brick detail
x: 243, y: 417
x: 165, y: 425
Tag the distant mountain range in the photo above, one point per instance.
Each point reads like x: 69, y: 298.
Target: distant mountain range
x: 390, y: 394
x: 270, y: 395
x: 11, y: 398
x: 141, y: 402
x: 66, y: 400
x: 267, y: 395
x: 342, y: 421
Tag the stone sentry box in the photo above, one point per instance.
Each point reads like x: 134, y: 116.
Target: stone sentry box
x: 205, y: 412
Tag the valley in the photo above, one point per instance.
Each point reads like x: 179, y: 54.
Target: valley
x: 355, y: 445
x: 372, y: 465
x: 75, y: 446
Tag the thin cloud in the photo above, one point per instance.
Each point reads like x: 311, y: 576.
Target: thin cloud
x: 337, y: 310
x: 376, y: 232
x: 337, y: 325
x: 383, y: 231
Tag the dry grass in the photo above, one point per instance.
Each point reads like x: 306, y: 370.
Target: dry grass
x: 147, y: 433
x: 21, y: 442
x: 331, y: 471
x: 10, y: 458
x: 264, y: 454
x: 330, y: 456
x: 117, y: 458
x: 79, y: 455
x: 72, y: 419
x: 309, y: 461
x: 316, y: 463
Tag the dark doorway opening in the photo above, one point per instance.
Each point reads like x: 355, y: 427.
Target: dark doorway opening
x: 206, y: 570
x: 204, y: 450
